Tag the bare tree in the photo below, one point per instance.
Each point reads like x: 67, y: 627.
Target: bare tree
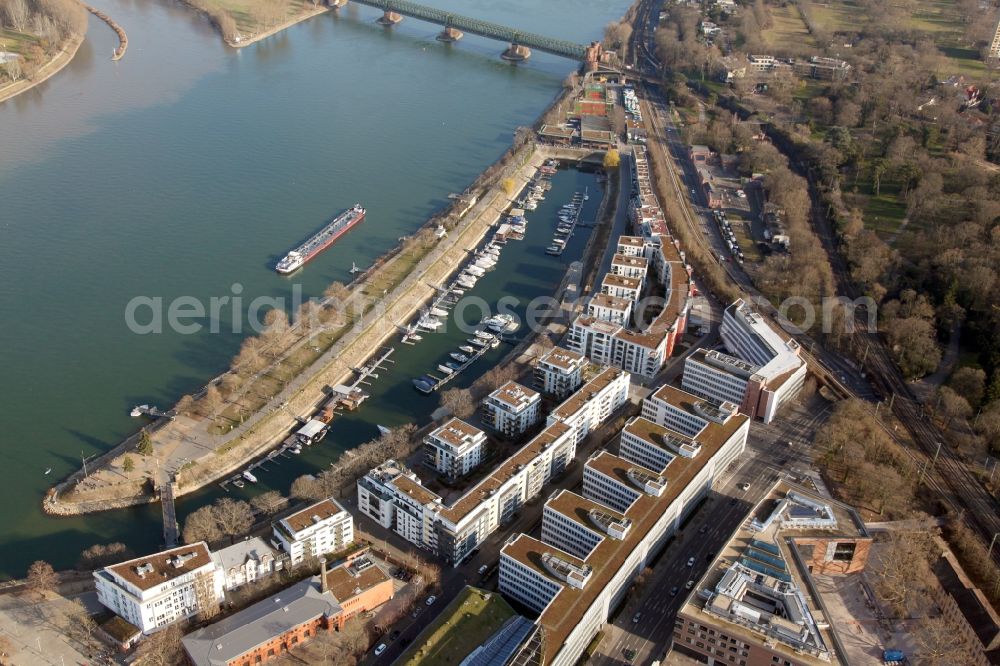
x: 940, y: 643
x: 100, y: 555
x: 269, y: 502
x: 42, y: 578
x: 201, y: 525
x: 903, y: 570
x: 79, y: 621
x: 306, y: 487
x: 234, y: 517
x: 459, y: 402
x: 185, y: 404
x: 18, y: 12
x: 210, y: 401
x: 162, y: 648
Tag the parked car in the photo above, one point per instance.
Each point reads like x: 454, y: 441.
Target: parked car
x: 380, y: 649
x: 744, y: 486
x: 430, y: 600
x: 688, y: 585
x: 483, y: 569
x: 673, y: 591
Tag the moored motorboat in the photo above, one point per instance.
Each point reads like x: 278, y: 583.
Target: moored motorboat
x: 445, y: 369
x: 461, y: 358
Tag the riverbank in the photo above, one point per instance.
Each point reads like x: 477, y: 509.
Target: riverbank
x: 222, y: 455
x: 241, y: 42
x: 46, y: 71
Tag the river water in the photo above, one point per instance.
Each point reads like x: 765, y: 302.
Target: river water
x: 188, y: 168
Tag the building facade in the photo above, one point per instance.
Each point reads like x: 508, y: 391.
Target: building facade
x: 157, y: 590
x: 454, y: 449
x: 321, y: 528
x: 559, y: 372
x: 593, y: 545
x: 512, y: 409
x: 246, y: 561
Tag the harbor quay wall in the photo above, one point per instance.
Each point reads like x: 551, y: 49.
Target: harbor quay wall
x: 268, y: 427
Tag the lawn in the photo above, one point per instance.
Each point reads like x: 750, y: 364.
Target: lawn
x: 460, y: 628
x: 789, y: 28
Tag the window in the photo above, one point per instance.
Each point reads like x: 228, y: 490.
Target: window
x: 844, y: 552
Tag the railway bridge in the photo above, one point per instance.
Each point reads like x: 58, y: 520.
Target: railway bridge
x: 455, y: 26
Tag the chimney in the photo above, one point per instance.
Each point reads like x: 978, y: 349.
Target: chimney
x: 323, y: 587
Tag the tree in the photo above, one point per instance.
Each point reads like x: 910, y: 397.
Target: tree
x: 185, y: 404
x: 509, y: 186
x: 306, y: 487
x: 201, y: 525
x: 616, y: 34
x: 127, y: 465
x: 913, y: 346
x: 336, y: 291
x: 79, y: 620
x: 162, y: 648
x: 269, y: 502
x: 459, y: 402
x: 940, y: 643
x: 100, y: 555
x: 210, y: 401
x: 14, y: 70
x: 969, y: 383
x: 903, y: 569
x: 41, y: 578
x: 18, y: 12
x: 953, y: 405
x: 234, y: 517
x: 145, y: 445
x: 612, y: 159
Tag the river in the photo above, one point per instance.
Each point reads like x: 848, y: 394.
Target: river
x: 189, y: 167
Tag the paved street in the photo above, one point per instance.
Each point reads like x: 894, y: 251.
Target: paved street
x: 36, y: 631
x: 769, y: 456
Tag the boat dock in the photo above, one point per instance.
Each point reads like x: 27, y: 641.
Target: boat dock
x: 368, y: 369
x: 475, y: 356
x: 151, y: 410
x: 567, y: 224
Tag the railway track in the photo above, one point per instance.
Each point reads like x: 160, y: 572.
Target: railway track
x: 943, y: 472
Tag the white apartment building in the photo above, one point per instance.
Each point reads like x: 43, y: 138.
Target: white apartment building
x: 559, y: 372
x: 393, y: 495
x: 591, y: 549
x: 160, y: 589
x: 324, y: 527
x: 512, y: 409
x: 593, y: 404
x: 629, y: 266
x: 622, y: 287
x: 632, y: 246
x: 454, y: 449
x: 762, y: 371
x: 247, y: 561
x: 610, y: 308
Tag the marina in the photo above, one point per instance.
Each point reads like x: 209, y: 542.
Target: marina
x: 568, y: 218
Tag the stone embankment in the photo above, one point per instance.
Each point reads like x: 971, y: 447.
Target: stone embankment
x: 120, y: 31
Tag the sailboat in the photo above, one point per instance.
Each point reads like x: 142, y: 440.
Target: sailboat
x: 354, y: 268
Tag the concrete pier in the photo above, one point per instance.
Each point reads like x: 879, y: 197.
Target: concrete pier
x: 516, y: 53
x: 450, y: 35
x: 390, y: 18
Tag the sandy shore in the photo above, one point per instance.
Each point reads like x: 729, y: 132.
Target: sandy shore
x: 49, y: 69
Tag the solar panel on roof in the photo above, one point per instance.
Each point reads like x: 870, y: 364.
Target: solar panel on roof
x: 765, y: 546
x: 764, y: 558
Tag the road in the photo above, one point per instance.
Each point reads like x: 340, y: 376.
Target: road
x: 769, y: 456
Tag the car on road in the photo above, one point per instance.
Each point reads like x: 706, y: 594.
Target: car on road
x: 690, y: 561
x: 629, y: 654
x: 636, y: 618
x: 692, y: 190
x: 673, y: 591
x: 430, y: 600
x: 732, y: 502
x: 380, y: 649
x: 744, y: 486
x: 688, y: 585
x: 483, y: 569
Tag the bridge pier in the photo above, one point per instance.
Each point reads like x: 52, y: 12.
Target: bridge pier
x: 390, y: 18
x: 449, y: 35
x: 516, y: 53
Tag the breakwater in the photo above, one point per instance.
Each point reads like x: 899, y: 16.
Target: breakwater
x: 119, y: 52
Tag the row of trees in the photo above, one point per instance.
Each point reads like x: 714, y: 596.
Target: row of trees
x: 48, y: 22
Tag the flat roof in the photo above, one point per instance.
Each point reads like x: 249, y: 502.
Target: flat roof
x: 647, y: 430
x: 414, y: 490
x: 575, y: 402
x: 349, y: 580
x: 456, y: 431
x: 563, y: 358
x: 312, y: 514
x: 514, y: 394
x: 578, y: 508
x: 769, y: 549
x: 611, y: 302
x: 633, y: 241
x: 163, y: 566
x: 563, y: 614
x: 625, y: 260
x: 615, y: 280
x: 529, y: 551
